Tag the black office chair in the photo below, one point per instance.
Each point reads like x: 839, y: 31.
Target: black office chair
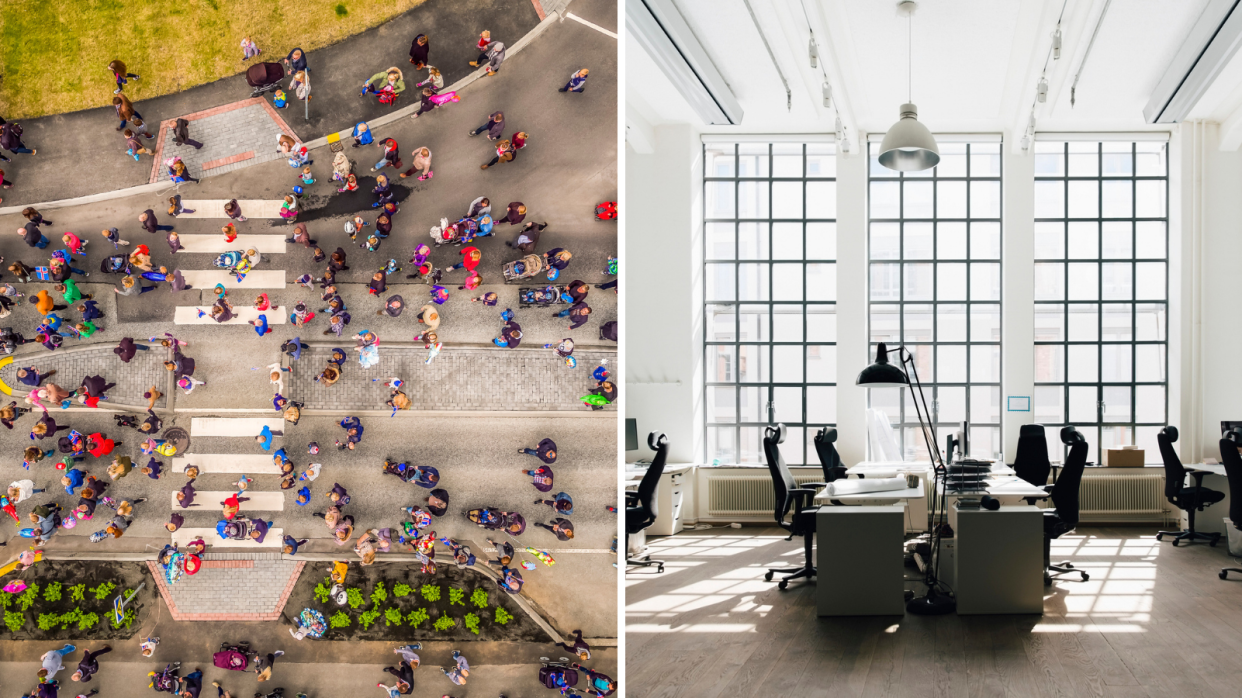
x: 829, y: 459
x: 788, y: 494
x: 1031, y: 462
x: 1188, y: 499
x: 1063, y: 517
x: 640, y: 506
x: 1233, y: 471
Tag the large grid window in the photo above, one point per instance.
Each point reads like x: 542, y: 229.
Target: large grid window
x: 934, y: 254
x: 770, y: 296
x: 1101, y: 291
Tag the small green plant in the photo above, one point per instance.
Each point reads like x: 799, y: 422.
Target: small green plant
x: 77, y: 592
x: 430, y: 592
x: 14, y: 620
x: 88, y: 621
x: 368, y: 617
x: 402, y: 590
x: 126, y: 620
x: 101, y: 592
x: 417, y: 616
x: 323, y: 590
x: 379, y: 595
x: 47, y: 621
x: 341, y: 10
x: 479, y: 598
x: 392, y: 616
x: 444, y: 623
x: 472, y: 623
x: 339, y: 620
x: 502, y: 616
x: 28, y: 597
x: 67, y: 619
x: 52, y: 592
x: 457, y: 596
x: 355, y: 597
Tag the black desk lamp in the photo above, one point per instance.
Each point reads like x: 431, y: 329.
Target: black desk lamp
x: 882, y: 374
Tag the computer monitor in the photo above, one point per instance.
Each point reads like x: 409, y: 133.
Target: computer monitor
x: 631, y: 434
x: 963, y: 439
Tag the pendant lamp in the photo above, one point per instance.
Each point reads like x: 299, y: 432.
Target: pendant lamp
x: 908, y: 146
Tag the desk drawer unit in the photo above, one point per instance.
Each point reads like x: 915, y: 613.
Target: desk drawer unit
x: 859, y: 564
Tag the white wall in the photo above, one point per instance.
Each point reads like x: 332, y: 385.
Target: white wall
x: 1017, y: 293
x: 852, y: 345
x: 663, y: 315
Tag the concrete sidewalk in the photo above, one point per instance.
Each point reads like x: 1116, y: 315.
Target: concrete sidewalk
x: 86, y: 141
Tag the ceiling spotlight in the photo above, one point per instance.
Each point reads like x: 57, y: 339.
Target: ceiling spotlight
x: 814, y: 51
x: 827, y: 95
x: 1026, y: 143
x: 1041, y: 92
x: 1056, y: 44
x: 1030, y: 126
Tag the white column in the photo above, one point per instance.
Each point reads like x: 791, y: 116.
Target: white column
x: 852, y: 344
x: 1018, y: 289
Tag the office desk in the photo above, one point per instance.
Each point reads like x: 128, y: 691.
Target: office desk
x: 676, y: 483
x: 998, y: 560
x: 860, y: 567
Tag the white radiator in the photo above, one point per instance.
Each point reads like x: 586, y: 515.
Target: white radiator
x: 745, y: 495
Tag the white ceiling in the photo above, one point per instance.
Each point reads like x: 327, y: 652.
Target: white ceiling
x: 976, y: 64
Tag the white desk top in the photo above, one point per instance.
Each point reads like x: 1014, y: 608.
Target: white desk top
x: 1213, y: 468
x: 866, y: 467
x: 908, y: 493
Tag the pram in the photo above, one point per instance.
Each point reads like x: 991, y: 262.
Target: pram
x: 233, y: 657
x: 233, y: 530
x: 116, y: 264
x: 230, y: 259
x: 166, y: 681
x: 541, y: 296
x: 524, y: 268
x: 558, y: 676
x: 264, y: 77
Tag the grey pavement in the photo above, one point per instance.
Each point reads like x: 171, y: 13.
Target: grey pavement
x: 73, y: 363
x: 256, y: 588
x: 85, y: 140
x: 248, y: 129
x: 519, y: 379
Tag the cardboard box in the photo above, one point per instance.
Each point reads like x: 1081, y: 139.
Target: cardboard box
x: 1124, y: 458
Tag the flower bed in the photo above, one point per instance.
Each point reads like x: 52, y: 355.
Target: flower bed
x: 73, y: 601
x: 396, y: 602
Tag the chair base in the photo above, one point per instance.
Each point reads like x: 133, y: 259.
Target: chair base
x: 1189, y: 536
x: 645, y: 561
x: 1055, y: 572
x: 1224, y: 572
x: 792, y: 573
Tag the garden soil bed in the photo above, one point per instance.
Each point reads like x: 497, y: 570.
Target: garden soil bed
x: 126, y: 576
x: 519, y: 628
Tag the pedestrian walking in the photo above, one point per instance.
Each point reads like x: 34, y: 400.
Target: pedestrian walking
x: 495, y: 126
x: 181, y: 134
x: 124, y: 110
x: 579, y: 313
x: 263, y: 667
x: 387, y: 84
x: 505, y: 152
x: 232, y: 209
x: 150, y: 223
x: 174, y: 242
x: 510, y: 335
x: 139, y: 127
x: 362, y: 134
x: 459, y: 672
x: 391, y: 156
x: 33, y: 238
x: 562, y: 528
x: 419, y: 48
x: 421, y: 164
x: 89, y: 666
x: 561, y: 503
x: 53, y: 662
x: 11, y: 140
x: 435, y: 80
x: 295, y: 61
x: 121, y: 74
x: 577, y: 82
x: 515, y: 213
x: 175, y: 208
x: 114, y: 236
x: 580, y: 648
x: 545, y: 451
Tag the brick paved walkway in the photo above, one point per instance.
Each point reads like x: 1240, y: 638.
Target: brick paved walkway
x: 458, y: 379
x: 231, y: 586
x: 72, y: 365
x: 233, y: 135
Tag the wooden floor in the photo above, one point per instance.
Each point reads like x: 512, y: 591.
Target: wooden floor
x: 1154, y: 621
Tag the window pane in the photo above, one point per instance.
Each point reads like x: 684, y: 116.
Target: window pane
x: 984, y: 323
x: 719, y: 161
x: 1150, y: 159
x: 787, y: 199
x: 1151, y: 198
x: 721, y: 321
x: 722, y: 444
x: 1151, y: 322
x: 821, y: 282
x: 917, y: 241
x: 951, y: 322
x: 1117, y: 284
x: 985, y: 160
x: 951, y: 405
x: 1149, y: 240
x: 951, y: 240
x: 821, y: 199
x: 722, y: 363
x: 984, y: 282
x: 951, y: 282
x: 886, y: 199
x: 754, y: 404
x: 1049, y: 322
x: 1084, y: 159
x: 753, y: 282
x: 1084, y: 240
x: 951, y: 364
x: 985, y: 363
x: 1117, y: 159
x: 1116, y: 322
x: 821, y: 240
x: 754, y: 363
x: 918, y: 199
x: 951, y: 199
x: 1117, y: 403
x: 752, y: 240
x: 821, y: 364
x: 1049, y: 241
x: 1149, y: 363
x: 985, y: 199
x: 820, y: 161
x: 1117, y: 240
x: 1084, y: 322
x: 917, y: 284
x: 1084, y: 201
x: 721, y: 240
x: 952, y: 160
x: 787, y: 323
x: 787, y: 282
x: 752, y: 199
x: 787, y: 241
x: 787, y: 160
x: 886, y: 241
x: 885, y: 323
x: 1084, y: 282
x: 788, y: 404
x: 984, y: 405
x: 720, y: 282
x: 821, y: 404
x: 985, y: 241
x: 721, y: 404
x: 1049, y: 407
x: 1149, y: 280
x: 1050, y: 281
x: 917, y: 320
x: 1049, y: 363
x: 1049, y: 199
x: 1049, y: 159
x: 1082, y: 404
x: 720, y: 203
x: 1084, y: 363
x: 1149, y: 404
x: 821, y: 323
x: 1115, y: 365
x: 787, y: 364
x: 752, y: 160
x: 755, y: 322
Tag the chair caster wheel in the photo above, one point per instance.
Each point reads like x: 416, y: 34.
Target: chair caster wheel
x: 1223, y: 574
x: 1212, y: 543
x: 783, y: 585
x: 1159, y: 536
x: 1047, y: 580
x: 767, y: 577
x: 1086, y: 577
x: 1068, y: 566
x: 1175, y: 542
x: 660, y: 569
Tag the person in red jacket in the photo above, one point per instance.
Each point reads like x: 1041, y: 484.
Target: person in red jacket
x: 470, y: 257
x: 102, y: 444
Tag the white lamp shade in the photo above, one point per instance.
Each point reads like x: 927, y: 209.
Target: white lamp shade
x: 908, y: 146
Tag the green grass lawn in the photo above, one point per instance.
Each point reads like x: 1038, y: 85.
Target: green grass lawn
x: 54, y: 54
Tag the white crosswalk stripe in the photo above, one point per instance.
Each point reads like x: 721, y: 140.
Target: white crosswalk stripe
x: 182, y: 536
x: 240, y: 426
x: 256, y: 501
x: 215, y: 244
x: 227, y: 464
x: 214, y: 208
x: 260, y: 278
x: 188, y: 315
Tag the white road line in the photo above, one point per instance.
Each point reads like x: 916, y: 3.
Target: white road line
x: 215, y: 244
x: 227, y: 463
x: 182, y: 536
x: 188, y: 315
x: 258, y: 501
x: 553, y: 551
x: 261, y: 278
x: 214, y: 208
x: 242, y: 426
x: 575, y: 18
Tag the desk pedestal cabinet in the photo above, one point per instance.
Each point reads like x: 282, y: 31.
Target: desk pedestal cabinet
x: 999, y: 560
x: 859, y: 564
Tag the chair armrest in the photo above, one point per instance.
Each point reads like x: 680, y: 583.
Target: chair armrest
x: 808, y: 485
x: 631, y: 498
x: 801, y: 497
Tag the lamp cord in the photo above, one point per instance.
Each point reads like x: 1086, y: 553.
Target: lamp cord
x: 909, y: 54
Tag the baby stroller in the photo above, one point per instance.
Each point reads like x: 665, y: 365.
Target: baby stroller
x: 540, y: 296
x: 233, y: 530
x: 558, y: 676
x: 233, y: 657
x: 264, y: 77
x: 116, y: 264
x: 490, y: 518
x: 524, y: 268
x: 166, y: 681
x: 230, y: 259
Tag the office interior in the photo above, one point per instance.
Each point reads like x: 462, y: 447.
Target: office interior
x: 1053, y: 277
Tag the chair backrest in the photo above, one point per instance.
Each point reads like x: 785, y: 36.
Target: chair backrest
x: 1174, y: 473
x: 782, y: 479
x: 829, y: 459
x: 1232, y: 461
x: 657, y: 442
x: 1065, y: 492
x: 1031, y: 461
